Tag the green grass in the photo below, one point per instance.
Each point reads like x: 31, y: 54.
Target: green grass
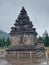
x: 46, y: 47
x: 2, y: 49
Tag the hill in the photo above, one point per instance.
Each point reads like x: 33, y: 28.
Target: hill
x: 4, y: 34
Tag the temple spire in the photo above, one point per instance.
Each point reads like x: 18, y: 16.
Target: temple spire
x: 23, y: 10
x: 23, y: 24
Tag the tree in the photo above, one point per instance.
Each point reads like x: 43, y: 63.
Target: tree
x: 46, y: 38
x: 3, y: 42
x: 8, y: 42
x: 39, y: 38
x: 0, y: 42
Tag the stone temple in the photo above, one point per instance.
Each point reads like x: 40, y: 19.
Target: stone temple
x: 24, y: 46
x: 23, y: 33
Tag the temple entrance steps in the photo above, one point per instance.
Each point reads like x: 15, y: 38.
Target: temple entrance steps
x: 38, y: 54
x: 30, y: 57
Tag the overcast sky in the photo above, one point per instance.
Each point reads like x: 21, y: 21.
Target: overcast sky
x: 37, y: 10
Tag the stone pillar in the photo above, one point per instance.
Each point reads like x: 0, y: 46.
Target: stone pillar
x: 30, y: 56
x: 18, y: 58
x: 46, y: 55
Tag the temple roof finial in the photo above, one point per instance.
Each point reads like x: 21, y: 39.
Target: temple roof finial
x: 23, y: 10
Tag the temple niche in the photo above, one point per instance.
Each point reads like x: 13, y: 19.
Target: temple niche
x: 23, y: 32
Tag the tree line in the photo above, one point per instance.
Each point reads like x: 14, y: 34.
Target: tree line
x: 45, y: 39
x: 5, y: 42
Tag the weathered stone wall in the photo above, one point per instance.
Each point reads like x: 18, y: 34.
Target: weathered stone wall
x: 26, y: 40
x: 15, y: 40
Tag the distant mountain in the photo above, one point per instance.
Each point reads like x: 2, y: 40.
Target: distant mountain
x: 4, y: 34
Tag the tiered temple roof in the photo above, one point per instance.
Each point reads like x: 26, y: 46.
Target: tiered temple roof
x: 23, y: 25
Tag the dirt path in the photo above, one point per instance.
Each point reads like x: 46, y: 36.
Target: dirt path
x: 3, y: 62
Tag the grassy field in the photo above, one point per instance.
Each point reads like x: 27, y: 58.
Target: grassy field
x: 46, y: 47
x: 2, y: 49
